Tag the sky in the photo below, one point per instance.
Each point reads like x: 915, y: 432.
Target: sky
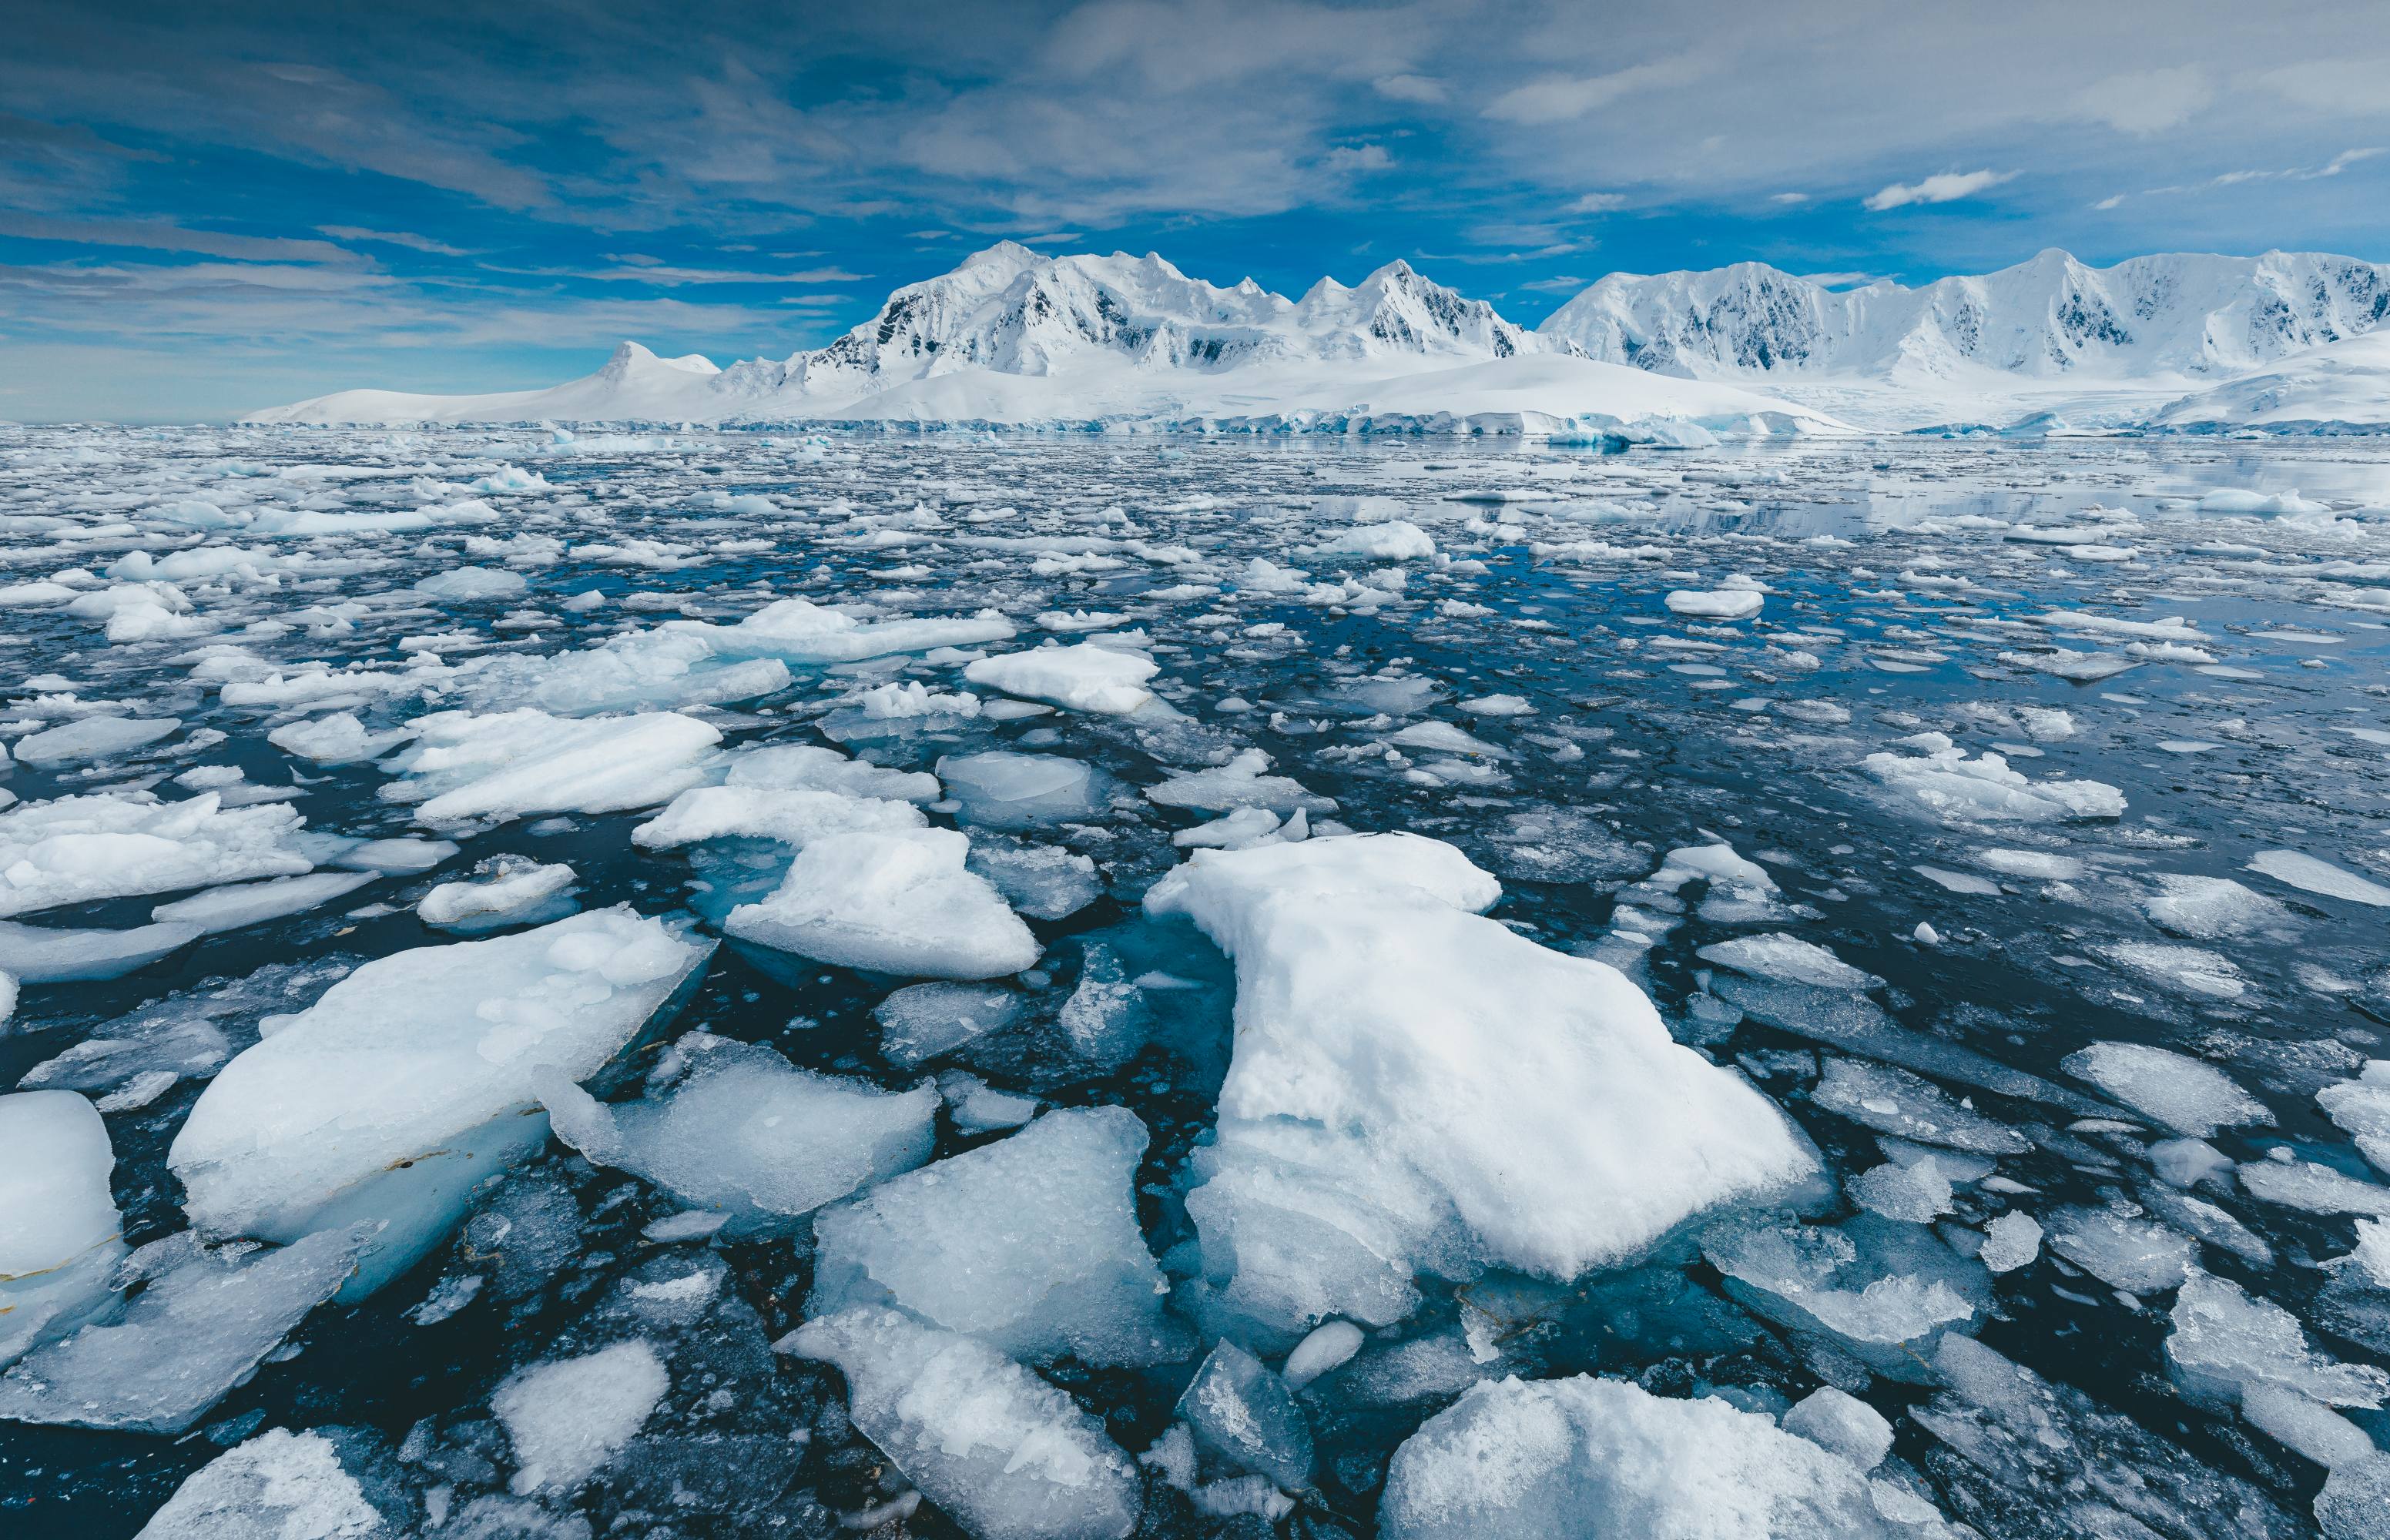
x: 209, y: 208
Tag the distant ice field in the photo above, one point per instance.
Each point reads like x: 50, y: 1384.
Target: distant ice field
x: 725, y: 982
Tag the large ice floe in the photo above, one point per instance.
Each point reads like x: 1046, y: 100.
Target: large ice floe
x: 1415, y: 1090
x: 416, y: 1078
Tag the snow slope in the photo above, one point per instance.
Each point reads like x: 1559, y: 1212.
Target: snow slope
x: 1015, y: 337
x: 2344, y: 384
x: 2172, y: 315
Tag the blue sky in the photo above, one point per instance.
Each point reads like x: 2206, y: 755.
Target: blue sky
x: 207, y: 208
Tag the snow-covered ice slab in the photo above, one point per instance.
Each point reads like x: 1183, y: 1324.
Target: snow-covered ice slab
x: 1030, y: 1243
x: 744, y: 1134
x: 1560, y: 1459
x: 893, y: 901
x: 463, y: 767
x: 1417, y: 1089
x: 986, y: 1440
x: 414, y: 1078
x: 1082, y: 678
x: 114, y: 845
x: 61, y: 1236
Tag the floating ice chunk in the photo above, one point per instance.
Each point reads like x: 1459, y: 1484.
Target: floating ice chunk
x: 1242, y: 782
x: 1394, y: 540
x: 901, y: 700
x: 1104, y: 1018
x: 2192, y: 967
x: 415, y: 1077
x: 2310, y: 876
x: 1841, y: 1423
x: 395, y: 855
x: 1914, y: 1192
x: 37, y: 955
x: 1328, y: 1347
x: 1789, y: 958
x: 746, y: 1133
x: 515, y: 765
x: 899, y: 902
x: 1537, y: 1460
x: 1416, y: 1088
x: 1881, y: 1290
x: 2039, y: 864
x: 230, y: 908
x: 200, y: 1328
x: 2317, y: 1189
x: 808, y: 767
x: 59, y: 1233
x: 473, y: 584
x: 2354, y: 1498
x: 279, y: 1485
x: 1008, y: 1455
x: 975, y: 1106
x: 93, y: 738
x: 1247, y: 1416
x: 115, y: 844
x: 1892, y: 1101
x: 504, y: 888
x: 1082, y: 678
x: 921, y: 1021
x: 1443, y: 738
x: 568, y: 1417
x: 2209, y: 908
x: 797, y: 631
x: 2189, y: 1097
x: 1945, y: 782
x: 2361, y: 1108
x: 2011, y: 1242
x: 790, y: 815
x: 1048, y: 1218
x: 2225, y: 1342
x: 1731, y: 604
x: 2077, y: 667
x: 1244, y: 828
x: 2138, y: 1256
x: 1041, y: 881
x: 339, y: 739
x: 1007, y: 790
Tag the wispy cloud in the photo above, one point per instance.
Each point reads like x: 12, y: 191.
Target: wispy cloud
x: 155, y: 234
x: 1559, y: 98
x: 2147, y: 101
x: 1947, y: 186
x: 394, y: 238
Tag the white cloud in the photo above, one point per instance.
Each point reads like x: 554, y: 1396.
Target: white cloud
x: 1843, y: 280
x: 1943, y: 187
x: 1788, y: 197
x: 1410, y: 89
x: 2333, y: 84
x: 1358, y: 158
x: 2149, y: 101
x: 1557, y: 99
x: 1561, y: 285
x: 412, y: 241
x: 1597, y: 203
x: 154, y: 234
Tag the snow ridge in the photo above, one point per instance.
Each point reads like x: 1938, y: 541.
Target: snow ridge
x: 2171, y: 315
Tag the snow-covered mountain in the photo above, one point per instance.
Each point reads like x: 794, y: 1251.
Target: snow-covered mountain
x: 1013, y: 337
x: 2343, y: 386
x: 2170, y: 316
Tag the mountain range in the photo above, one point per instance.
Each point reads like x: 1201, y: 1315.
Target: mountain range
x: 1012, y: 337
